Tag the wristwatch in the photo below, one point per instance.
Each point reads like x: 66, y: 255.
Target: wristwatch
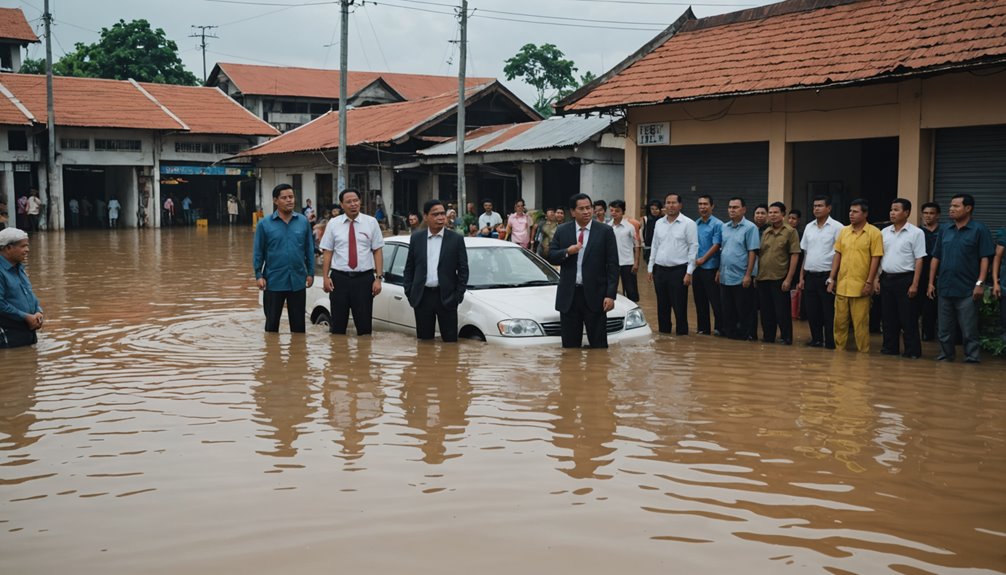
x: 828, y: 281
x: 380, y: 277
x: 979, y: 283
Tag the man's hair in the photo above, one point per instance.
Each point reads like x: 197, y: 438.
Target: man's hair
x: 966, y: 199
x: 549, y: 209
x: 780, y: 205
x: 796, y: 213
x: 906, y: 204
x: 822, y: 198
x: 415, y: 214
x: 576, y: 198
x: 430, y: 204
x: 863, y: 205
x: 656, y: 203
x: 761, y: 207
x: 706, y: 197
x: 275, y: 191
x: 675, y: 194
x: 620, y: 204
x: 519, y: 201
x: 487, y: 201
x: 602, y: 203
x: 737, y: 199
x: 343, y: 193
x: 933, y: 205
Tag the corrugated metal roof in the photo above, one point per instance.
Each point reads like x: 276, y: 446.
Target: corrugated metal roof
x: 555, y: 132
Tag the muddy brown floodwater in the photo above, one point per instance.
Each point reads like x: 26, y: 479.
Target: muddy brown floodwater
x: 156, y: 429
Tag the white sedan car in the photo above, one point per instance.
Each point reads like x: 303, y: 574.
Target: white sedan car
x: 510, y: 298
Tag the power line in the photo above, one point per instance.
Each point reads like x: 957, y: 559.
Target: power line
x: 202, y: 45
x: 377, y: 39
x: 543, y: 16
x: 656, y: 27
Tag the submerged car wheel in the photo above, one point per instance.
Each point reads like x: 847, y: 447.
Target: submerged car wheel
x: 471, y: 332
x: 320, y: 317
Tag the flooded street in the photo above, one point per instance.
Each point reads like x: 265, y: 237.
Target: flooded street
x: 157, y: 429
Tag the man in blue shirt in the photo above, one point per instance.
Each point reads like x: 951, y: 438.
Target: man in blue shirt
x: 187, y: 211
x: 707, y: 293
x: 20, y: 314
x: 738, y: 254
x: 959, y: 266
x: 284, y: 261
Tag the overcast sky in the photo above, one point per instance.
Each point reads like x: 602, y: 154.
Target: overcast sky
x: 412, y: 36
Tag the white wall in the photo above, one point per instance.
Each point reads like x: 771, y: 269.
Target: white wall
x: 602, y: 181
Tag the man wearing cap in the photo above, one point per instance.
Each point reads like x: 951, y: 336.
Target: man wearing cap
x: 20, y: 313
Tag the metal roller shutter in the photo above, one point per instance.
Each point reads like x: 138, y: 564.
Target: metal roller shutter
x: 720, y: 170
x: 973, y: 161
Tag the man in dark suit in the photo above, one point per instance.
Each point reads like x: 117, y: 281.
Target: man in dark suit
x: 587, y: 254
x: 436, y: 274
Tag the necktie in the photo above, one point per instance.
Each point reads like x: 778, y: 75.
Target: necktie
x: 579, y: 240
x: 352, y: 245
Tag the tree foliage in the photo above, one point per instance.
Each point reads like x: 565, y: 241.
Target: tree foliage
x: 32, y: 66
x: 126, y: 50
x: 545, y: 68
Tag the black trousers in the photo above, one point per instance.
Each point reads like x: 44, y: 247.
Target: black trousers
x: 901, y: 313
x: 630, y: 285
x: 272, y: 303
x: 579, y: 317
x: 352, y: 292
x: 432, y: 310
x: 738, y: 311
x: 820, y: 308
x: 707, y: 294
x: 672, y: 293
x: 775, y: 311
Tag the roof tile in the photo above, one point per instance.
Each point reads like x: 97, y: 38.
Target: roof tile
x: 14, y: 26
x: 208, y: 110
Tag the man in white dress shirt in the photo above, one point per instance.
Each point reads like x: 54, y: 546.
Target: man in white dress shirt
x: 818, y: 244
x: 672, y: 262
x: 900, y: 274
x: 352, y: 265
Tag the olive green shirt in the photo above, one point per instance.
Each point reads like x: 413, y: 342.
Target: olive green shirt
x: 776, y: 248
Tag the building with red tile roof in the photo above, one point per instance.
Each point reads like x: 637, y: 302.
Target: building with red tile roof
x: 381, y: 147
x: 854, y: 98
x: 288, y: 97
x: 15, y: 34
x: 119, y: 137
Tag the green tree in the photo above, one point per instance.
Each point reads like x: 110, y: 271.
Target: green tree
x: 127, y: 50
x: 545, y: 68
x: 32, y: 66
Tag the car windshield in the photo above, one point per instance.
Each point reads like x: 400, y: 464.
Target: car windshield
x: 501, y: 267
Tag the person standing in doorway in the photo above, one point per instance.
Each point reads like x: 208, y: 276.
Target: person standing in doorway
x: 629, y: 249
x: 232, y: 209
x: 959, y: 267
x: 34, y: 210
x: 113, y: 212
x: 777, y: 265
x: 74, y: 207
x: 169, y: 211
x: 284, y: 261
x: 187, y: 218
x: 436, y: 275
x: 931, y: 230
x: 587, y: 254
x: 353, y: 265
x: 21, y: 216
x: 672, y: 263
x: 101, y: 211
x: 858, y: 250
x: 818, y: 245
x: 900, y: 275
x: 707, y: 293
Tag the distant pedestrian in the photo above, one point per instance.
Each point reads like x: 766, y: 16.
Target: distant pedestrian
x: 187, y: 218
x: 113, y: 212
x: 653, y: 215
x: 518, y: 226
x: 169, y: 211
x: 858, y: 250
x: 900, y: 277
x: 818, y: 245
x: 704, y: 287
x: 601, y: 212
x: 20, y: 313
x: 284, y: 261
x: 672, y: 263
x: 929, y: 310
x: 74, y: 207
x: 959, y: 267
x: 21, y: 215
x: 488, y: 220
x: 34, y: 210
x: 353, y: 265
x: 232, y: 209
x: 101, y: 211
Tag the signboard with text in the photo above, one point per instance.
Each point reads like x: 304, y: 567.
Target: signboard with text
x: 655, y: 134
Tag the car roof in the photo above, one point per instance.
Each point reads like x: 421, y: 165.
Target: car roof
x: 469, y: 242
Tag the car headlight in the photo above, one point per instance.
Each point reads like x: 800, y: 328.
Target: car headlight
x: 520, y: 328
x: 634, y: 319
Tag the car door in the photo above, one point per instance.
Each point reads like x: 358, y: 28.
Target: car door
x: 395, y: 308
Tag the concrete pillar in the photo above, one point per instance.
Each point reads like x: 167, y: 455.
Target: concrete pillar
x: 52, y: 195
x: 531, y: 184
x: 915, y: 148
x: 780, y: 156
x: 9, y: 197
x: 634, y: 175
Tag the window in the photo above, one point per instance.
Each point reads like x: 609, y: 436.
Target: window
x: 194, y: 147
x: 228, y: 148
x: 75, y: 143
x: 102, y: 145
x: 17, y: 140
x: 395, y: 272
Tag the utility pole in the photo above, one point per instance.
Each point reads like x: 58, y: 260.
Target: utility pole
x: 343, y: 73
x: 202, y: 45
x: 54, y: 202
x: 462, y: 203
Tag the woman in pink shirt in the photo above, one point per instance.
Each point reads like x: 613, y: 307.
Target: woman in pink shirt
x: 518, y: 226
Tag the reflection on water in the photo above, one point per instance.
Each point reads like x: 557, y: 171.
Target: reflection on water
x: 157, y: 429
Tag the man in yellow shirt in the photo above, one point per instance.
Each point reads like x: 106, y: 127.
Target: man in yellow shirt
x: 858, y: 250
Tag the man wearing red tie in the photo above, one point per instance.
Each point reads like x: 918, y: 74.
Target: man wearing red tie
x: 352, y: 265
x: 587, y: 253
